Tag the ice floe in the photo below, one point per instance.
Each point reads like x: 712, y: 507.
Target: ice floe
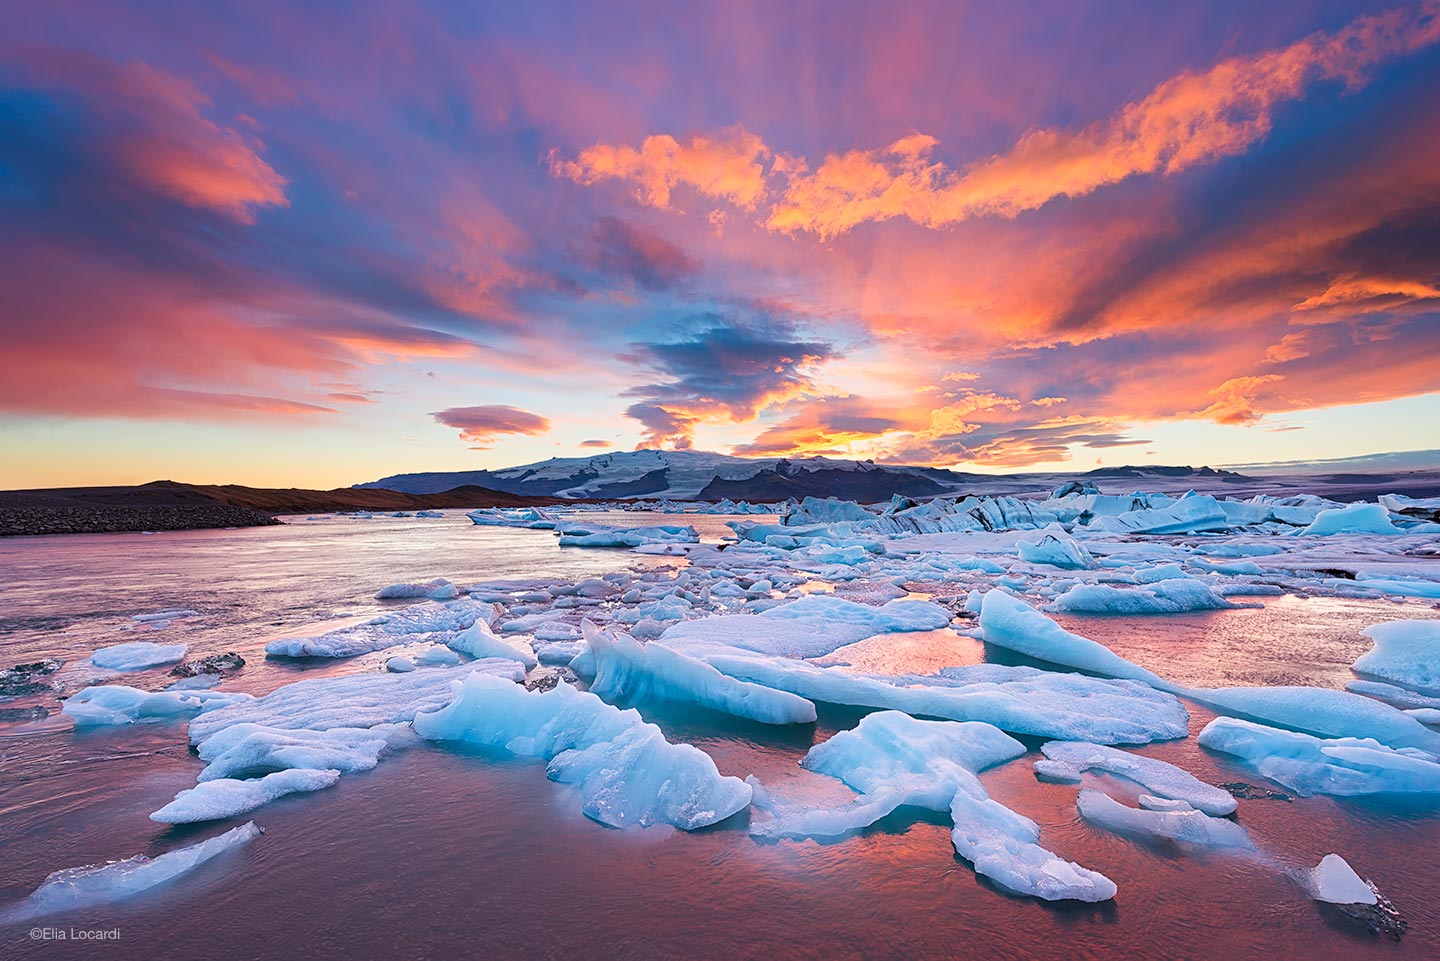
x: 227, y: 797
x: 1406, y: 653
x: 1189, y: 826
x: 137, y: 655
x: 100, y: 884
x: 627, y: 773
x: 1066, y: 760
x: 118, y: 704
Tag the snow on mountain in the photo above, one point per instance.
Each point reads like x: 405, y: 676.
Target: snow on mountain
x: 648, y: 473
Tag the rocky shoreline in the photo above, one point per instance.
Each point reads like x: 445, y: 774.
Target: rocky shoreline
x: 109, y: 519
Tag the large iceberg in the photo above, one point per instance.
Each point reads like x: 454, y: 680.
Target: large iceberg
x: 1311, y: 765
x: 1405, y: 652
x: 98, y: 884
x: 137, y: 655
x: 628, y: 774
x: 1056, y: 550
x: 626, y: 668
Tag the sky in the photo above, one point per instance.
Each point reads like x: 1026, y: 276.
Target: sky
x: 314, y: 244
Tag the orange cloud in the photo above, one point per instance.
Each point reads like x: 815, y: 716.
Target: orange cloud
x: 1193, y: 118
x: 724, y: 166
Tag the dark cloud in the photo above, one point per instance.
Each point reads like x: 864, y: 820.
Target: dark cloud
x: 622, y: 249
x: 725, y: 371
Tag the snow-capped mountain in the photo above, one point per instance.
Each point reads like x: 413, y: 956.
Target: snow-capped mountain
x: 685, y: 474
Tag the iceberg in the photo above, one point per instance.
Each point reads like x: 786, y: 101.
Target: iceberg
x: 227, y: 797
x: 1009, y: 622
x: 1191, y: 827
x: 98, y: 884
x: 1022, y: 700
x: 829, y: 510
x: 812, y: 626
x: 1355, y: 519
x: 1406, y: 653
x: 137, y: 655
x: 627, y: 773
x: 593, y: 536
x: 626, y: 668
x: 1309, y: 765
x: 118, y: 704
x: 248, y: 750
x: 437, y: 590
x: 1065, y: 761
x: 891, y: 759
x: 1334, y: 881
x: 1056, y: 550
x: 1169, y: 596
x: 1320, y: 711
x: 432, y: 619
x: 479, y: 641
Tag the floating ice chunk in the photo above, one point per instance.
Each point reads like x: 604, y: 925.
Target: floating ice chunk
x: 98, y: 884
x: 137, y: 655
x: 626, y: 771
x: 1406, y: 652
x: 1018, y: 699
x: 387, y: 630
x: 591, y: 536
x: 1400, y: 697
x: 479, y: 641
x: 1067, y: 760
x: 226, y: 797
x: 356, y: 701
x: 1191, y: 827
x: 399, y: 665
x: 1057, y: 550
x: 1189, y: 515
x: 164, y: 616
x: 626, y: 668
x: 892, y: 759
x: 437, y: 590
x: 1320, y: 711
x: 812, y: 626
x: 1404, y: 588
x: 1311, y: 765
x: 1160, y: 572
x: 1334, y: 881
x: 829, y: 510
x: 1355, y: 519
x: 246, y: 750
x: 1008, y: 622
x: 438, y: 656
x: 118, y: 704
x: 1172, y: 596
x: 1003, y: 846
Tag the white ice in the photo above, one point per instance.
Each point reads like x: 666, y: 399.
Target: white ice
x: 137, y: 655
x: 1334, y: 881
x: 100, y: 884
x: 1169, y: 596
x: 118, y: 704
x: 1066, y: 760
x: 1406, y: 653
x: 1320, y: 711
x: 479, y: 641
x: 437, y: 590
x: 1311, y: 765
x: 1191, y: 827
x: 1355, y: 519
x: 626, y: 668
x: 227, y: 797
x: 627, y: 773
x: 1056, y: 550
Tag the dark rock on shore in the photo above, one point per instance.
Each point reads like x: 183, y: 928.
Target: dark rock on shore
x: 20, y: 521
x: 209, y: 664
x: 26, y: 679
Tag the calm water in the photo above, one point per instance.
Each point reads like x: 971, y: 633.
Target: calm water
x: 445, y: 854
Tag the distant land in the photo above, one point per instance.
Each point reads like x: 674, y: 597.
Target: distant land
x: 703, y: 475
x: 167, y: 506
x: 677, y: 475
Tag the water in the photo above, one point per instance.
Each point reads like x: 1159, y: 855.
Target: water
x: 442, y: 853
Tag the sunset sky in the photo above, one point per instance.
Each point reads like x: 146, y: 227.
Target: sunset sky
x: 315, y: 244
